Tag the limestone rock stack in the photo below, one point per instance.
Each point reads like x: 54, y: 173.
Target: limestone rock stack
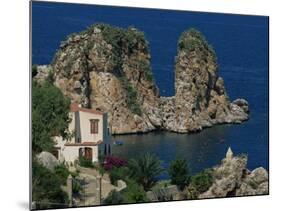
x: 108, y: 68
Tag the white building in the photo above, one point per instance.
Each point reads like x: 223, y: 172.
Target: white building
x: 89, y: 128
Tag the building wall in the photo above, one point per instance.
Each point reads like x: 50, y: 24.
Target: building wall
x: 71, y: 153
x: 86, y: 135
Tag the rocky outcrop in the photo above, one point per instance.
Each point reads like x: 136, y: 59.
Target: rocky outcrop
x: 232, y: 178
x: 108, y: 69
x: 200, y: 100
x: 43, y: 72
x: 48, y: 160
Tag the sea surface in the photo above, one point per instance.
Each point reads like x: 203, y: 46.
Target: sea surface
x: 241, y: 44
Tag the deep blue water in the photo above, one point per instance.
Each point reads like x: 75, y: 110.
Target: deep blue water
x: 241, y: 44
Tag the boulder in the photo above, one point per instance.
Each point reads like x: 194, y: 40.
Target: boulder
x: 242, y: 103
x: 48, y: 160
x: 121, y: 185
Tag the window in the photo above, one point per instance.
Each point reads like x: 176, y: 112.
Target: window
x: 94, y: 126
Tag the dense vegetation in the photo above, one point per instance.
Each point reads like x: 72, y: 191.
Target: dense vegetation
x: 49, y: 116
x: 123, y: 41
x: 145, y: 169
x: 193, y: 40
x: 179, y: 173
x: 46, y: 187
x: 140, y: 176
x: 85, y: 162
x: 200, y: 183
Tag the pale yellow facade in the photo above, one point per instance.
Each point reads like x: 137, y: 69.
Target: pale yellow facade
x: 84, y: 142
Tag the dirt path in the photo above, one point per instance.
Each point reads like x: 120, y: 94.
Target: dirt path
x: 88, y: 177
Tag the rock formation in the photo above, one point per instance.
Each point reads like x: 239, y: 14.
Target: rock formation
x: 48, y: 160
x: 200, y: 99
x: 108, y: 69
x: 232, y: 178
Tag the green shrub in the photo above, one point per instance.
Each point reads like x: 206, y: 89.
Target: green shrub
x: 62, y: 172
x: 202, y: 181
x: 76, y: 187
x: 46, y: 188
x: 192, y: 40
x: 145, y: 169
x: 114, y: 197
x: 85, y: 162
x: 145, y: 66
x: 131, y: 96
x: 191, y: 192
x: 121, y: 40
x: 116, y: 174
x: 179, y: 173
x: 134, y: 193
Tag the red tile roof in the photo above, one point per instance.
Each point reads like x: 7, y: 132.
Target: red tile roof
x: 75, y: 107
x: 87, y: 143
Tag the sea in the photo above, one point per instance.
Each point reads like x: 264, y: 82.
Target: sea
x: 241, y: 43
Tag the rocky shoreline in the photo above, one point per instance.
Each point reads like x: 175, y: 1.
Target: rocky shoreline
x: 108, y: 69
x: 232, y: 178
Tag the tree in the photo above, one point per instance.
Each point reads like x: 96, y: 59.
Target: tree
x: 134, y: 193
x: 202, y: 181
x: 144, y: 170
x: 179, y: 173
x: 46, y: 188
x: 114, y: 197
x: 50, y: 118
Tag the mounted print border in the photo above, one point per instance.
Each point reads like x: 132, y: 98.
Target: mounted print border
x: 134, y: 105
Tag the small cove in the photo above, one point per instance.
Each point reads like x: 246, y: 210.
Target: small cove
x: 241, y: 44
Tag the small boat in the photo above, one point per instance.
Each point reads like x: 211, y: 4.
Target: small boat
x: 118, y: 143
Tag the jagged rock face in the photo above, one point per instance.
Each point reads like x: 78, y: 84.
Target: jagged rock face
x: 109, y: 71
x: 232, y: 178
x: 108, y: 68
x: 255, y: 183
x: 200, y: 99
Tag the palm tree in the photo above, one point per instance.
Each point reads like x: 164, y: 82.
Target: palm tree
x: 179, y: 173
x: 145, y: 170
